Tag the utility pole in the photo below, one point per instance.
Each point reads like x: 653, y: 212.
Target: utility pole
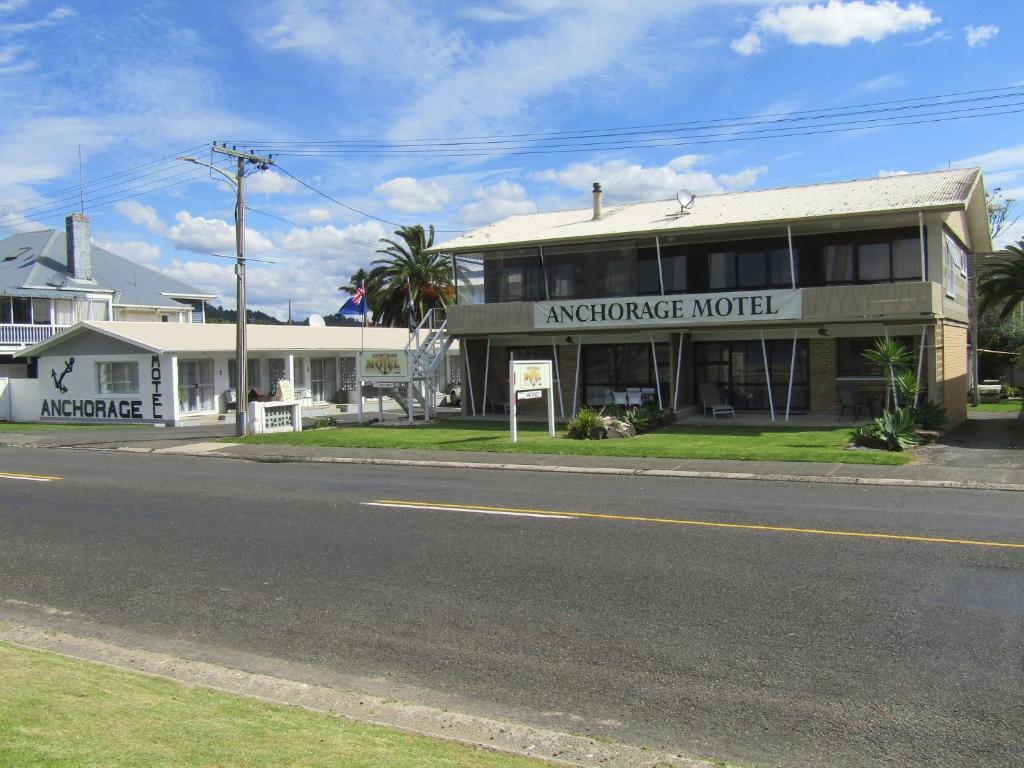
x: 241, y: 344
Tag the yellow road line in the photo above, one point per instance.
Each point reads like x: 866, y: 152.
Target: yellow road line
x: 707, y: 524
x: 36, y: 478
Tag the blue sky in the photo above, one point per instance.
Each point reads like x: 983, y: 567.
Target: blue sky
x: 135, y: 89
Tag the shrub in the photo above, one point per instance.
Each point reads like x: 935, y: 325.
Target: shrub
x: 638, y: 418
x: 586, y: 423
x: 931, y: 415
x: 897, y: 429
x: 1011, y: 391
x: 908, y: 387
x: 322, y: 422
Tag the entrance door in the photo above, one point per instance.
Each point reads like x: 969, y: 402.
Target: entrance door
x: 195, y: 386
x: 322, y: 379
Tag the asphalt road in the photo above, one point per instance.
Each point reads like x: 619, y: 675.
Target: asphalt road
x: 796, y: 648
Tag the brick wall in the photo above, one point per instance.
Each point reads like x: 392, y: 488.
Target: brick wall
x: 954, y: 372
x: 823, y: 375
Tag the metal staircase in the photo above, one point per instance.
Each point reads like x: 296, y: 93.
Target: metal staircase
x: 427, y: 347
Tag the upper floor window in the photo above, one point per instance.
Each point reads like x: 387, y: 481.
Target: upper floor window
x: 514, y: 275
x: 955, y: 261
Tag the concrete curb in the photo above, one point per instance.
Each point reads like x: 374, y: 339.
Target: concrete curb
x: 678, y: 473
x: 551, y: 746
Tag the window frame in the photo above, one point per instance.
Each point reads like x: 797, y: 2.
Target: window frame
x: 112, y: 383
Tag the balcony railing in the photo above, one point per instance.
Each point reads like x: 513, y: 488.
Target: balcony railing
x: 26, y: 335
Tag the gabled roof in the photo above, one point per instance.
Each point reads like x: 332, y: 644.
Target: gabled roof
x: 38, y: 260
x: 185, y: 338
x: 913, y: 192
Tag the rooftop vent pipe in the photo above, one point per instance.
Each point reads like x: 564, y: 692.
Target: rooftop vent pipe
x: 597, y: 200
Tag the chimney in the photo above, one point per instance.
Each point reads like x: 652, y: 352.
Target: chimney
x: 79, y: 247
x: 597, y: 200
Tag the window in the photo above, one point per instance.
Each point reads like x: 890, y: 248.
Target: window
x: 737, y: 369
x: 300, y: 372
x: 253, y: 368
x: 751, y: 270
x: 648, y: 282
x: 955, y: 258
x: 839, y: 263
x: 98, y: 310
x: 5, y: 309
x: 873, y: 263
x: 850, y: 356
x: 781, y: 275
x: 117, y: 378
x: 598, y: 270
x: 323, y: 378
x: 611, y: 368
x: 906, y: 259
x: 63, y: 312
x: 673, y: 265
x: 41, y: 311
x: 721, y: 271
x: 513, y: 275
x: 195, y: 386
x: 21, y: 311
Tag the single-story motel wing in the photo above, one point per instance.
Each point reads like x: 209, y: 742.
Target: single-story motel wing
x: 768, y: 297
x: 174, y: 373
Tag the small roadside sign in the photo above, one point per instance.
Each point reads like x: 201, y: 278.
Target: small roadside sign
x: 533, y: 393
x: 529, y: 379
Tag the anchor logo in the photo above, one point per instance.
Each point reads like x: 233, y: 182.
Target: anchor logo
x: 58, y: 381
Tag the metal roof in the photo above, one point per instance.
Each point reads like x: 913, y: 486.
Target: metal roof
x: 942, y: 190
x: 39, y: 260
x: 187, y: 338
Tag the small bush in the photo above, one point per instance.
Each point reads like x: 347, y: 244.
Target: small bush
x: 322, y: 422
x: 586, y: 423
x: 1010, y: 391
x: 931, y: 415
x: 897, y: 429
x: 638, y: 418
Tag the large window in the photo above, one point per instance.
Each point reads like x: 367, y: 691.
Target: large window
x: 323, y: 379
x: 737, y: 369
x: 513, y: 275
x: 850, y: 360
x: 117, y: 378
x: 955, y: 258
x: 595, y: 270
x: 624, y: 368
x: 195, y: 386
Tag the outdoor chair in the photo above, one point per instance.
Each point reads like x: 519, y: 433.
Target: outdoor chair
x: 850, y: 400
x: 712, y: 400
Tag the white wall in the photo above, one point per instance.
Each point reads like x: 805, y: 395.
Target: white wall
x: 153, y: 402
x: 24, y: 399
x: 5, y: 400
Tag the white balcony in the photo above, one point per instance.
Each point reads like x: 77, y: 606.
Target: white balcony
x: 20, y: 336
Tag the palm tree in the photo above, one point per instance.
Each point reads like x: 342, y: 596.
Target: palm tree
x: 407, y: 269
x: 890, y: 355
x: 1001, y: 283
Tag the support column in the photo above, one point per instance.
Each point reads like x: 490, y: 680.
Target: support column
x: 289, y: 368
x: 679, y: 373
x: 767, y: 376
x: 920, y: 362
x: 487, y: 373
x: 576, y: 385
x: 558, y: 377
x: 657, y: 376
x: 469, y: 374
x: 172, y: 362
x: 792, y: 368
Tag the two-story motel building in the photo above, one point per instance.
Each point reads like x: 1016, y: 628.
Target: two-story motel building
x: 770, y: 294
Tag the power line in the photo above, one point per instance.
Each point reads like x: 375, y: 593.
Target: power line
x: 716, y: 137
x: 665, y: 128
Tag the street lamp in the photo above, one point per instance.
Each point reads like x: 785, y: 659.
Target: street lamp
x: 241, y: 345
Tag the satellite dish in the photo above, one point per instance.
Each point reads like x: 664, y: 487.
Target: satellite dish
x: 316, y: 321
x: 687, y: 196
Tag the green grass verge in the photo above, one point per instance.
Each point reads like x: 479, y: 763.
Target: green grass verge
x: 40, y: 426
x: 712, y: 442
x: 56, y: 711
x: 1006, y: 406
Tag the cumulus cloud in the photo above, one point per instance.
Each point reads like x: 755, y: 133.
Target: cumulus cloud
x: 494, y: 202
x: 410, y: 195
x: 887, y: 172
x: 138, y: 251
x: 271, y: 183
x: 197, y: 233
x: 835, y: 23
x: 979, y: 36
x: 140, y: 214
x: 625, y: 181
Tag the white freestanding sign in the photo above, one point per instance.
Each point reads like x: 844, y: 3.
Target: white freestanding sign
x: 528, y: 379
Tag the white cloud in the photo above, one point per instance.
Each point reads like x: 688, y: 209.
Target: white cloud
x: 196, y: 233
x: 977, y: 36
x: 835, y: 23
x: 494, y: 202
x: 624, y: 181
x: 410, y: 195
x: 997, y: 160
x: 141, y: 215
x: 138, y: 251
x: 331, y: 244
x: 886, y: 172
x: 314, y: 215
x: 53, y: 17
x: 271, y: 183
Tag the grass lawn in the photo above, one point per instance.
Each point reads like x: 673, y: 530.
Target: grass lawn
x: 827, y: 444
x: 1004, y: 406
x: 56, y: 711
x: 40, y: 426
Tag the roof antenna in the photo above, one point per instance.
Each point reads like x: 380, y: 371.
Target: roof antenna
x: 81, y: 182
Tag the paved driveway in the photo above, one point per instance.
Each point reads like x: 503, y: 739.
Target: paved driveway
x: 986, y: 440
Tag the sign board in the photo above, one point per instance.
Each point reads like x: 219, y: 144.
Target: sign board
x: 285, y: 390
x: 529, y: 379
x: 681, y: 310
x: 383, y: 365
